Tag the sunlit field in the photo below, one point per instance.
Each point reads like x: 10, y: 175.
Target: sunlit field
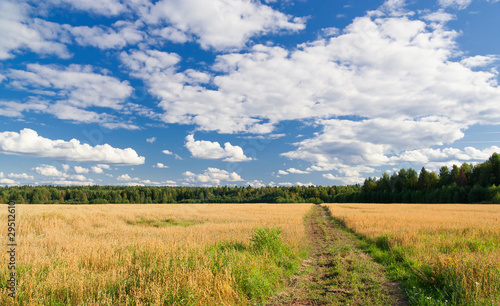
x: 453, y: 249
x: 196, y: 254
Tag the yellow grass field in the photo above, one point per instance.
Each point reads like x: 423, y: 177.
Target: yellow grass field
x: 455, y: 247
x: 139, y: 254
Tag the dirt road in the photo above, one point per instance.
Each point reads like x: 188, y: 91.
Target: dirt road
x: 337, y: 271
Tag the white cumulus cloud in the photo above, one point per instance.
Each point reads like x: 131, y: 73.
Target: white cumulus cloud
x: 76, y: 85
x: 80, y: 170
x: 371, y: 142
x: 212, y: 176
x: 21, y: 176
x: 101, y: 7
x: 17, y: 32
x: 160, y: 165
x: 377, y: 67
x: 203, y: 149
x: 28, y: 142
x: 49, y: 170
x: 220, y: 24
x: 97, y: 170
x: 73, y: 89
x: 296, y: 171
x: 256, y: 184
x: 122, y: 34
x: 126, y: 177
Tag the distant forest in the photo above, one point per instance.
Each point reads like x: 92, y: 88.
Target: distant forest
x: 461, y: 184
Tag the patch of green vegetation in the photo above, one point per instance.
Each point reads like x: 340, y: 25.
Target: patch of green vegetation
x: 431, y: 284
x: 164, y: 222
x: 338, y: 271
x: 349, y: 276
x: 260, y: 268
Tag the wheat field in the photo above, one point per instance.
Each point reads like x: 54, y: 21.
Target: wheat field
x: 455, y: 249
x: 142, y: 254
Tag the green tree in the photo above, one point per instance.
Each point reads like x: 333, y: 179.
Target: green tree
x: 444, y: 176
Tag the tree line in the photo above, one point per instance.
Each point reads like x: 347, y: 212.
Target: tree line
x: 154, y: 194
x: 466, y: 183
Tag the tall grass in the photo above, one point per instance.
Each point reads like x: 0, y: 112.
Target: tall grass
x: 203, y: 254
x: 448, y: 254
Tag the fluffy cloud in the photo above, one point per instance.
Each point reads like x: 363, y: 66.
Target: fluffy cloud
x: 440, y: 17
x: 77, y: 85
x: 350, y: 175
x: 363, y: 72
x: 102, y: 7
x: 73, y: 88
x: 377, y: 67
x: 49, y: 170
x: 429, y: 155
x: 172, y: 34
x: 22, y: 176
x: 219, y: 24
x: 96, y: 170
x: 7, y: 181
x: 203, y: 149
x: 371, y: 142
x: 127, y: 180
x: 125, y: 33
x: 16, y: 32
x: 63, y: 178
x: 212, y: 176
x: 28, y: 142
x: 104, y: 166
x: 160, y: 165
x: 16, y: 109
x: 178, y: 91
x: 151, y: 140
x: 126, y: 177
x: 479, y: 60
x: 256, y: 184
x: 80, y: 170
x: 296, y: 171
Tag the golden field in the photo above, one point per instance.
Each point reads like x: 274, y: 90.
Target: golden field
x: 142, y: 254
x: 455, y: 249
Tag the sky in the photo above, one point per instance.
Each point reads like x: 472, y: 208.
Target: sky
x: 244, y: 92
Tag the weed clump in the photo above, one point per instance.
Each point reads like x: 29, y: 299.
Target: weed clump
x: 267, y: 263
x: 267, y: 239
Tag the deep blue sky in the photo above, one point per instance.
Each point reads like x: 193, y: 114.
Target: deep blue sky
x: 240, y: 92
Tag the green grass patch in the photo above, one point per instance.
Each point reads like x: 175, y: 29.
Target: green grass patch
x: 438, y: 283
x: 348, y: 275
x: 259, y: 268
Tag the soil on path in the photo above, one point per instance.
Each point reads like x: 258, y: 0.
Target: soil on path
x: 337, y: 271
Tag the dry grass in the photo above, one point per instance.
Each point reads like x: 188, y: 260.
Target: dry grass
x: 453, y: 248
x: 137, y: 254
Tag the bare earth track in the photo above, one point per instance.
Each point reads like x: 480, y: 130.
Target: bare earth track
x: 337, y: 271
